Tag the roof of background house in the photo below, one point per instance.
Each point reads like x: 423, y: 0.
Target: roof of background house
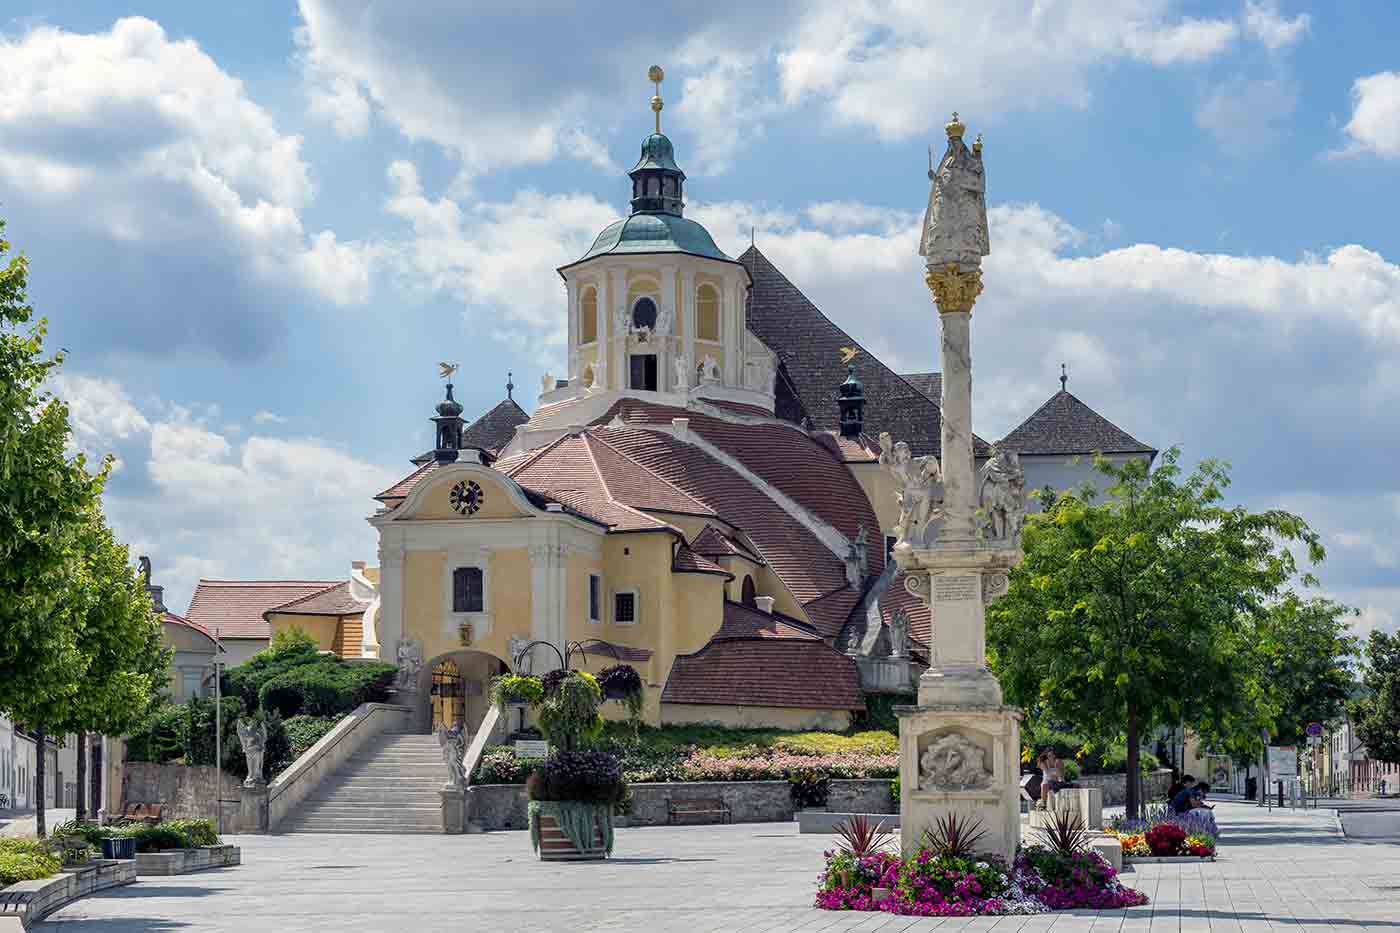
x: 234, y: 608
x: 765, y: 671
x: 808, y: 345
x: 491, y: 431
x: 1065, y: 425
x: 930, y: 384
x: 174, y: 619
x: 332, y: 601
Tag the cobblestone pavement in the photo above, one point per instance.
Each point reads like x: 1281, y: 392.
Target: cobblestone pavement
x: 1285, y: 870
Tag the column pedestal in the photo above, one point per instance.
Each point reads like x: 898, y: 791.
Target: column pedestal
x: 252, y: 808
x: 454, y: 809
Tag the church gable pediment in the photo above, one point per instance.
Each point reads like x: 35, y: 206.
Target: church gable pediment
x: 464, y: 492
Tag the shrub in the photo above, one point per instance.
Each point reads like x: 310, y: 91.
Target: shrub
x: 588, y: 776
x: 551, y: 680
x: 158, y: 738
x: 326, y: 686
x: 301, y: 732
x: 26, y: 860
x: 953, y: 837
x: 246, y: 679
x: 500, y: 765
x: 293, y: 639
x: 198, y: 735
x: 894, y: 788
x: 87, y: 830
x: 1065, y: 833
x: 169, y: 834
x: 861, y: 838
x: 810, y: 788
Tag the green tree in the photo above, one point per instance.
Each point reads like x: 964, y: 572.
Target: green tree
x: 1376, y: 713
x: 1125, y: 612
x: 79, y: 641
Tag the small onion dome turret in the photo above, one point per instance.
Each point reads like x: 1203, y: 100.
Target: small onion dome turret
x: 850, y: 396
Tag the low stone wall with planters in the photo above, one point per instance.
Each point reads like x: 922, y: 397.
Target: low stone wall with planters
x: 187, y: 792
x: 184, y: 861
x: 32, y: 901
x: 503, y: 806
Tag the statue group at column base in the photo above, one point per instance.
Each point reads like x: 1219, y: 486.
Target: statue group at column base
x: 960, y: 759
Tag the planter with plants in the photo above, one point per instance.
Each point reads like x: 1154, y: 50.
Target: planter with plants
x: 170, y: 847
x: 575, y: 791
x: 1162, y: 836
x: 946, y: 876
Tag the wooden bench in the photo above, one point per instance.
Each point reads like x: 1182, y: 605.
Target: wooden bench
x: 143, y: 812
x: 708, y: 806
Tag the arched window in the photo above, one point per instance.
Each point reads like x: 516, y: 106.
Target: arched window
x: 749, y: 597
x: 588, y: 316
x: 467, y: 591
x: 644, y: 313
x: 707, y: 313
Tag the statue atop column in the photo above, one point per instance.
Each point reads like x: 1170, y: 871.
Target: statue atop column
x: 1003, y: 496
x: 954, y: 237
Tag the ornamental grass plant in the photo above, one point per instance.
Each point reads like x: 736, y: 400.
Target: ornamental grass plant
x: 26, y: 859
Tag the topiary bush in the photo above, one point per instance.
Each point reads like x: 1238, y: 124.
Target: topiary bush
x: 326, y: 686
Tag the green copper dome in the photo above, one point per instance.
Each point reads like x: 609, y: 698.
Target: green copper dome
x: 658, y: 153
x: 655, y: 233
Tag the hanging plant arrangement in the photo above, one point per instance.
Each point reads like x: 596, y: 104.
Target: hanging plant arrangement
x: 622, y: 682
x: 516, y: 690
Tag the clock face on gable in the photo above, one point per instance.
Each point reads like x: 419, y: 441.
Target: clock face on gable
x: 467, y: 497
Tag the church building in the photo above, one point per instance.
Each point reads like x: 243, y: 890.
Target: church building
x: 699, y: 496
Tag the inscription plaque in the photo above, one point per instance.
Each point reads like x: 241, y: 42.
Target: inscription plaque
x: 956, y: 588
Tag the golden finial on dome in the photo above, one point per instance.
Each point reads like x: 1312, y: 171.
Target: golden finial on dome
x: 955, y: 127
x: 655, y: 75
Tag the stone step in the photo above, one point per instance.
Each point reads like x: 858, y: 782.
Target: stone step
x: 317, y: 824
x: 352, y: 811
x: 360, y: 831
x: 369, y: 795
x: 391, y: 780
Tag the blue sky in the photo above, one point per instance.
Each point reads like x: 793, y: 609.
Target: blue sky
x: 258, y: 226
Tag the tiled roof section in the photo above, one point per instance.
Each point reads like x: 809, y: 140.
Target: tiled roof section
x: 332, y: 601
x: 234, y: 608
x: 808, y: 345
x: 491, y: 431
x: 742, y: 621
x: 830, y: 612
x: 687, y: 561
x: 174, y: 619
x: 862, y: 449
x: 930, y: 384
x: 1065, y: 425
x: 712, y: 542
x: 639, y: 487
x: 400, y: 490
x: 567, y: 472
x: 786, y: 672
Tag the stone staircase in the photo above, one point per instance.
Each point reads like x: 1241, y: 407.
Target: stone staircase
x: 389, y: 786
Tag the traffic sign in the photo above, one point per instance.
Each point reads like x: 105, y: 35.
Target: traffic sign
x: 1314, y: 728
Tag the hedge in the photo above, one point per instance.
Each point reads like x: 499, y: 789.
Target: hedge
x: 26, y: 860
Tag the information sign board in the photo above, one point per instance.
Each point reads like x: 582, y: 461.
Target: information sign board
x: 531, y: 748
x: 1283, y: 761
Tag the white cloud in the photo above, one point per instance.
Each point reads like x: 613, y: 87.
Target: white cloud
x: 1263, y: 22
x: 877, y: 64
x: 499, y: 258
x: 1245, y: 116
x: 1375, y: 118
x: 99, y: 412
x: 130, y: 139
x: 267, y: 417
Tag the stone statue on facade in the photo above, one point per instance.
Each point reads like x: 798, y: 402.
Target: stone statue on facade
x: 252, y: 735
x: 453, y: 743
x: 682, y: 367
x: 600, y: 369
x: 955, y: 224
x: 546, y: 383
x: 709, y: 369
x: 1002, y: 495
x: 915, y: 479
x: 665, y: 319
x: 410, y: 661
x: 899, y: 635
x: 953, y: 762
x: 143, y: 565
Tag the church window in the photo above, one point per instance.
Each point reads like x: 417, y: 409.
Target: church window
x: 595, y: 593
x: 707, y: 313
x: 749, y: 597
x: 625, y: 607
x: 468, y: 594
x: 653, y: 186
x: 643, y: 373
x: 588, y: 316
x: 644, y: 313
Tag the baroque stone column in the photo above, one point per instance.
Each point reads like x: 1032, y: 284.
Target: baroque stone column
x: 960, y: 746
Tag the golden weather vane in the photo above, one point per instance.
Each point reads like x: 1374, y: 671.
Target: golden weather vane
x: 848, y: 354
x: 655, y: 75
x: 447, y: 369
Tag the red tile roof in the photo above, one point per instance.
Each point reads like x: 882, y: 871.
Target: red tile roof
x: 174, y: 619
x: 568, y: 472
x: 234, y: 608
x: 862, y: 449
x: 788, y: 672
x: 400, y: 490
x: 612, y: 650
x: 333, y: 601
x: 742, y: 621
x: 712, y: 542
x: 687, y: 561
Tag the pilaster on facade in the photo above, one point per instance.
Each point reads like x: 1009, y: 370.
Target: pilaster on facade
x: 688, y: 319
x: 549, y: 591
x: 392, y: 554
x: 574, y: 331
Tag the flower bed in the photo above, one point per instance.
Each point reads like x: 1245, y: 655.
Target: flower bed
x: 1164, y: 835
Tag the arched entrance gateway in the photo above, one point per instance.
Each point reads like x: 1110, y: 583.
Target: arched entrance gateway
x: 456, y: 689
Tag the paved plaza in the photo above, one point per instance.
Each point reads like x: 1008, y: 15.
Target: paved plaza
x: 1289, y: 870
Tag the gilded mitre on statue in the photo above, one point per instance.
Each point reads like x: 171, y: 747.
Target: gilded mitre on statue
x: 955, y: 226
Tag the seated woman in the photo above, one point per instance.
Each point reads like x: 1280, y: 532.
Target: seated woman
x: 1198, y: 813
x: 1052, y: 777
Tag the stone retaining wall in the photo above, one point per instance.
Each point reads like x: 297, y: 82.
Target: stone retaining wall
x: 188, y: 792
x: 502, y: 806
x: 1115, y: 786
x: 32, y: 901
